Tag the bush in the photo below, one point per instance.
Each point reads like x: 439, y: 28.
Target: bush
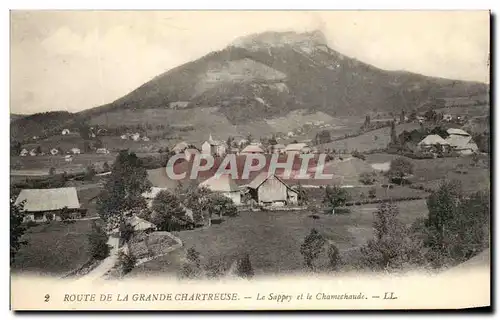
x: 126, y: 262
x: 368, y: 178
x: 359, y: 155
x: 31, y: 223
x: 98, y: 242
x: 244, y: 267
x: 333, y: 256
x: 215, y: 267
x: 193, y: 256
x: 372, y: 193
x: 312, y: 247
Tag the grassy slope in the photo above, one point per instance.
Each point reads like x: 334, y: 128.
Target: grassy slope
x: 273, y: 239
x: 54, y: 249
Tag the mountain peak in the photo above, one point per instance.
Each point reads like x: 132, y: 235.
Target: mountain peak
x: 270, y: 39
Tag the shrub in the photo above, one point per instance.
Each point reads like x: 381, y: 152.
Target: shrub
x: 333, y: 256
x: 98, y: 242
x: 193, y: 256
x: 368, y: 178
x: 359, y: 155
x: 215, y: 267
x: 244, y: 267
x: 372, y: 193
x: 312, y: 247
x: 335, y: 196
x: 126, y: 262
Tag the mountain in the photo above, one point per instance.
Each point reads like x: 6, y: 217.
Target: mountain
x: 259, y: 80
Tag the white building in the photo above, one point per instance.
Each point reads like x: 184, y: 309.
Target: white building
x: 65, y: 132
x: 213, y: 147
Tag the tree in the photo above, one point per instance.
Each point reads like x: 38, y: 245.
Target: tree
x: 391, y: 246
x: 368, y: 178
x: 17, y: 229
x: 442, y: 205
x: 244, y: 267
x: 430, y: 115
x: 126, y: 232
x: 98, y: 242
x: 52, y: 171
x: 394, y: 136
x: 400, y: 169
x: 126, y: 262
x: 333, y: 256
x: 372, y: 193
x: 196, y: 199
x: 168, y: 212
x: 15, y: 148
x: 193, y: 256
x: 367, y: 122
x: 89, y: 172
x: 402, y: 117
x: 312, y: 247
x: 335, y: 196
x: 105, y: 167
x: 122, y: 193
x: 221, y: 205
x: 64, y: 214
x: 322, y: 137
x: 302, y: 195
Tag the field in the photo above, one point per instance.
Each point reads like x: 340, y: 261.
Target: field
x: 54, y: 249
x: 273, y: 238
x: 40, y: 165
x: 430, y: 172
x: 376, y: 139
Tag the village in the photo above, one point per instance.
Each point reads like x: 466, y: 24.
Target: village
x: 170, y: 227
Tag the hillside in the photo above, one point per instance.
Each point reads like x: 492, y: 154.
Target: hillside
x: 271, y: 74
x: 258, y: 78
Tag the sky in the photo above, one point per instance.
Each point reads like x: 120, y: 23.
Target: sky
x: 75, y: 60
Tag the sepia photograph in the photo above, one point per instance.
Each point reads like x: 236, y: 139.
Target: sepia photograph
x: 249, y: 160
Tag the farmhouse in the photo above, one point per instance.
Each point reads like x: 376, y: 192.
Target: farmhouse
x: 102, y: 151
x: 269, y: 189
x: 33, y: 152
x: 296, y: 148
x: 65, y: 132
x: 124, y: 137
x: 42, y: 203
x: 251, y: 149
x: 68, y: 158
x: 278, y: 148
x: 75, y: 151
x: 180, y: 147
x: 224, y: 185
x: 24, y: 153
x: 213, y: 147
x: 433, y: 142
x: 461, y: 142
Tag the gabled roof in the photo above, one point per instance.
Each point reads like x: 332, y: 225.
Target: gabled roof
x: 296, y: 146
x: 140, y: 224
x: 433, y: 139
x: 252, y: 149
x: 460, y: 132
x: 223, y: 183
x: 263, y: 177
x: 180, y: 146
x: 48, y: 199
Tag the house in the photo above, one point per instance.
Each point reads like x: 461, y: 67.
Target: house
x: 24, y: 153
x: 43, y: 204
x: 145, y: 138
x: 75, y: 151
x: 278, y: 148
x: 420, y: 119
x: 124, y: 137
x: 269, y: 189
x: 225, y: 185
x: 68, y: 158
x: 141, y: 225
x: 290, y: 134
x: 102, y: 151
x: 296, y: 148
x: 433, y: 142
x: 447, y: 117
x: 180, y: 147
x: 136, y: 136
x: 464, y: 145
x: 33, y: 152
x: 213, y: 147
x: 189, y: 153
x: 460, y: 141
x: 65, y: 132
x: 54, y: 151
x: 252, y: 149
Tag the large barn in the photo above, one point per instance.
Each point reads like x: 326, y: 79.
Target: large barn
x: 47, y: 204
x: 269, y: 189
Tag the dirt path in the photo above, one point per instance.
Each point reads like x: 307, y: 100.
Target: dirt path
x: 106, y: 265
